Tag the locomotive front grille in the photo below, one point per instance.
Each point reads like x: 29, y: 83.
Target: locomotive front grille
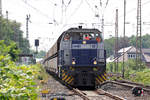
x: 84, y: 78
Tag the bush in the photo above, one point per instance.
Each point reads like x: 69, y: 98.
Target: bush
x: 142, y: 77
x: 134, y: 73
x: 16, y: 82
x: 10, y: 50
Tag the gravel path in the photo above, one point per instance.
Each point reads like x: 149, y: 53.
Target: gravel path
x: 56, y: 89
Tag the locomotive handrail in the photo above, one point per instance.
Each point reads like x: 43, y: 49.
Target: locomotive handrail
x: 51, y: 57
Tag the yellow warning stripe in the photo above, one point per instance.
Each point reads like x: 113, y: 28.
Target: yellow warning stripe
x: 70, y: 81
x: 54, y: 98
x: 105, y: 74
x: 104, y: 78
x: 63, y: 71
x: 63, y: 74
x: 68, y: 78
x: 65, y: 77
x: 100, y: 78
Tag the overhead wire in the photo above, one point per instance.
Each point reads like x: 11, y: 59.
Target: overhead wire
x: 51, y: 2
x: 106, y: 3
x: 37, y: 10
x: 76, y: 9
x: 90, y: 6
x: 64, y: 9
x: 67, y: 4
x: 135, y: 8
x: 101, y: 3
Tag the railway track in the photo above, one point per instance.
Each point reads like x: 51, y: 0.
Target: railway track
x: 98, y: 94
x: 131, y: 84
x: 116, y: 90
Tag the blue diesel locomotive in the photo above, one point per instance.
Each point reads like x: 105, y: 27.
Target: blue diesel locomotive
x: 78, y: 57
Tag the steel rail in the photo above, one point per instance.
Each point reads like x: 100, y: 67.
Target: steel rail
x: 129, y: 85
x: 102, y: 92
x: 81, y: 94
x: 139, y: 84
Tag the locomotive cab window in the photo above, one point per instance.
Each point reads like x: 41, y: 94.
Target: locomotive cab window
x: 82, y: 36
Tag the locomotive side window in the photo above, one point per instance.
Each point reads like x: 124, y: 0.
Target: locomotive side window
x: 66, y: 37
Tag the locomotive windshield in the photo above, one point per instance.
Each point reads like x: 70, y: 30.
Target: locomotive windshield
x: 82, y: 36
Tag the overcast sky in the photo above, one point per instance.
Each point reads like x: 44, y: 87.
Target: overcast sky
x: 71, y: 13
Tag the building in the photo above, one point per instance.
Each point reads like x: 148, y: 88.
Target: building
x: 130, y: 53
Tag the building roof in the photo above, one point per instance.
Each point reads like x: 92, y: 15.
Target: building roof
x: 146, y: 50
x: 125, y: 49
x: 110, y: 59
x: 146, y: 57
x: 130, y: 49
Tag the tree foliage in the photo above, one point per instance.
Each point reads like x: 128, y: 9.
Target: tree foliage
x: 129, y: 41
x: 10, y: 31
x: 10, y: 50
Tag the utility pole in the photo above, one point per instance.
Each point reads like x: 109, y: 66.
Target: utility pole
x: 0, y: 19
x: 124, y: 31
x: 116, y: 42
x: 139, y: 32
x: 27, y: 23
x: 15, y: 32
x: 7, y: 15
x: 7, y: 25
x: 1, y: 8
x: 102, y: 28
x: 27, y: 30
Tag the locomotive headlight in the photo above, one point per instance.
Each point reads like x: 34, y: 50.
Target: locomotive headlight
x: 84, y: 42
x: 73, y: 61
x: 95, y: 62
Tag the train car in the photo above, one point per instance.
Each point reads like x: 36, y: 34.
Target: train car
x: 78, y: 57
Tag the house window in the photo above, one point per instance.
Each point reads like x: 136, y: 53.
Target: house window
x: 128, y: 55
x: 131, y: 56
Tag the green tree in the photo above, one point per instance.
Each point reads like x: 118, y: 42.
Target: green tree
x: 10, y: 31
x: 109, y: 46
x: 40, y: 54
x: 129, y: 41
x: 146, y: 41
x: 10, y: 49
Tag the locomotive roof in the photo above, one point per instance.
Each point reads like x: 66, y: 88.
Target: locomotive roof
x: 88, y: 30
x: 81, y: 30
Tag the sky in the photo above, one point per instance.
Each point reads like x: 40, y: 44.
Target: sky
x: 49, y: 18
